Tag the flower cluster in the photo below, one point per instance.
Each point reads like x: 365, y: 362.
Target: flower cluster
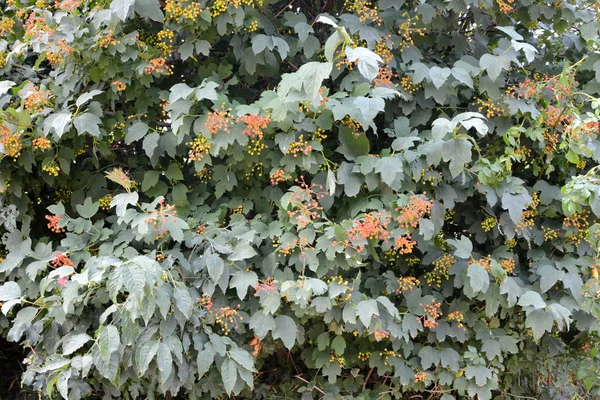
x: 490, y: 107
x: 404, y: 244
x: 51, y: 168
x: 488, y: 224
x: 199, y: 148
x: 431, y: 313
x: 53, y: 221
x: 41, y: 143
x: 413, y: 213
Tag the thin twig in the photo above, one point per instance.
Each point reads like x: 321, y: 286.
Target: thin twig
x: 519, y: 397
x: 367, y: 377
x: 318, y: 389
x: 284, y: 8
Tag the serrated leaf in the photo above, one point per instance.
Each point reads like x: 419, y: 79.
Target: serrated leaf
x: 215, y: 266
x: 183, y: 300
x: 87, y: 123
x: 242, y: 251
x: 228, y: 374
x: 262, y: 323
x: 88, y: 209
x: 531, y: 298
x: 144, y: 355
x: 164, y: 360
x: 136, y: 132
x: 72, y: 343
x: 121, y: 8
x: 478, y: 278
x: 243, y: 358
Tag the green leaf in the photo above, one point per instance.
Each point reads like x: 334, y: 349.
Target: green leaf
x: 136, y: 132
x: 262, y: 323
x: 121, y: 201
x: 215, y: 265
x: 242, y: 251
x: 108, y: 341
x: 389, y: 168
x: 144, y: 355
x: 365, y: 311
x: 368, y: 109
x: 243, y: 358
x: 311, y: 75
x: 121, y: 8
x: 72, y: 343
x: 150, y: 180
x: 338, y: 345
x: 429, y: 356
x: 286, y: 330
x: 205, y: 359
x: 10, y: 291
x: 458, y: 152
x: 183, y: 300
x: 463, y: 247
x: 478, y: 278
x: 368, y: 62
x: 164, y: 360
x: 480, y: 373
x: 150, y: 9
x: 88, y: 209
x: 87, y: 122
x: 531, y: 298
x: 439, y: 76
x: 548, y: 277
x: 241, y: 280
x: 540, y: 322
x: 228, y: 374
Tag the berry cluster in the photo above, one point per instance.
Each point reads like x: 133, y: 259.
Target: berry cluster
x: 119, y: 85
x: 266, y: 286
x: 278, y: 177
x: 364, y: 357
x: 372, y: 226
x: 6, y: 26
x: 219, y: 120
x: 107, y: 40
x: 431, y: 313
x: 11, y: 141
x: 408, y: 85
x: 384, y: 77
x: 60, y: 260
x: 67, y: 5
x: 407, y: 28
x: 53, y: 221
x: 255, y: 124
x: 299, y: 146
x: 37, y: 100
x: 405, y: 244
x: 508, y: 265
x: 338, y: 359
x: 457, y: 317
x: 407, y: 284
x: 364, y: 11
x: 352, y: 123
x: 440, y: 270
x: 305, y: 203
x: 51, y: 168
x: 380, y: 334
x: 528, y: 217
x: 421, y: 376
x: 382, y: 49
x: 490, y: 107
x: 411, y: 215
x: 187, y: 10
x: 199, y: 148
x: 505, y: 6
x: 41, y: 143
x: 105, y: 202
x: 158, y: 66
x: 488, y: 224
x: 159, y: 217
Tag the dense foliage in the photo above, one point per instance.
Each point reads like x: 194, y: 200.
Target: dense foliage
x: 301, y: 199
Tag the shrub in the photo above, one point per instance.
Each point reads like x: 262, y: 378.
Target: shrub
x: 301, y: 199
